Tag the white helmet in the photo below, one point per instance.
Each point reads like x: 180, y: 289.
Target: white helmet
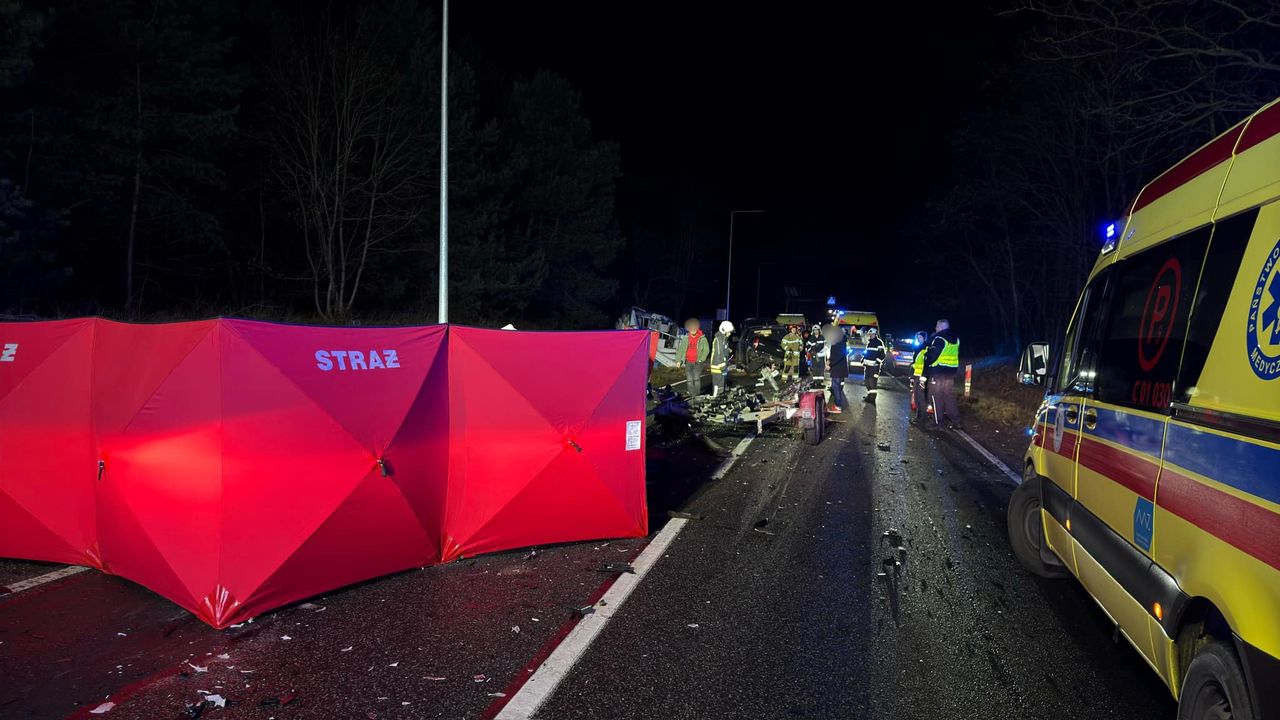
x: 726, y: 327
x: 872, y: 330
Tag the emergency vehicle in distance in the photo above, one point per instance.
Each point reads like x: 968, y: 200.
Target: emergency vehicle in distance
x: 856, y: 323
x: 1153, y: 475
x: 904, y: 350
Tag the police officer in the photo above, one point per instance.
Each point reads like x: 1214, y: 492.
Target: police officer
x: 792, y: 346
x: 720, y: 358
x: 872, y: 357
x: 919, y: 383
x: 941, y: 362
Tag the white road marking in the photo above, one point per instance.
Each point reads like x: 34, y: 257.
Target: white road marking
x: 733, y: 457
x: 544, y: 681
x: 39, y: 580
x: 548, y: 676
x: 1013, y: 476
x: 1008, y: 472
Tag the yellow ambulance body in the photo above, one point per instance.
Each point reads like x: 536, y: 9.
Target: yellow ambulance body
x: 1153, y: 475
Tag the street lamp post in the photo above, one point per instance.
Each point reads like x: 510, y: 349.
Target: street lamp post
x: 442, y: 311
x: 728, y: 285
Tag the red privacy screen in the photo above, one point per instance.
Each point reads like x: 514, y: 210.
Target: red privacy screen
x: 236, y: 466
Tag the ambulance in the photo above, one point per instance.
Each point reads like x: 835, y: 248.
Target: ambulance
x: 1153, y: 474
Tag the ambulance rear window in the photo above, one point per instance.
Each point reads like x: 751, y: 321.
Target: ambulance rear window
x: 1230, y: 237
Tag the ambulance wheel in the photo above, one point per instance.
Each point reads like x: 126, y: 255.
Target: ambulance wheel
x: 1214, y: 687
x: 1026, y: 529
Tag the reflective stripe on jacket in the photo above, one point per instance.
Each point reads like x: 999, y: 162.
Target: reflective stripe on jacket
x: 719, y: 354
x: 792, y: 344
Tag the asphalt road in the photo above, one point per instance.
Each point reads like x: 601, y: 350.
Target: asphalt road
x: 769, y: 606
x: 792, y: 620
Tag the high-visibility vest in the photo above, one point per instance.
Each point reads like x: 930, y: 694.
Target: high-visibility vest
x: 950, y: 355
x: 917, y: 365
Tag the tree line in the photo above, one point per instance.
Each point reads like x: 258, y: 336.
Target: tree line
x: 1096, y: 99
x: 175, y: 157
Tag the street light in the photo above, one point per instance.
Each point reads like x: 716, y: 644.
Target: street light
x: 728, y: 285
x: 442, y: 307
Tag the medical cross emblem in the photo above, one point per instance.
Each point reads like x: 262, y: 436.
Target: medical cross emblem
x: 1262, y: 325
x: 1270, y: 313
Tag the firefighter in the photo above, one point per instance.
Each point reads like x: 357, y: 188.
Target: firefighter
x: 919, y: 384
x: 693, y: 351
x: 815, y: 350
x: 941, y: 362
x: 792, y: 346
x: 720, y: 358
x: 872, y: 357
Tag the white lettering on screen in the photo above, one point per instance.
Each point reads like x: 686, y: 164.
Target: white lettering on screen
x: 343, y: 360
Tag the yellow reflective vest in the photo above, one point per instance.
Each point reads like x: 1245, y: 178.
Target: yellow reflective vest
x: 950, y: 355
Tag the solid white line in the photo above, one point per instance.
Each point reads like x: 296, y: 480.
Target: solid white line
x: 733, y: 457
x: 547, y: 678
x: 1015, y: 477
x: 42, y: 579
x: 553, y: 670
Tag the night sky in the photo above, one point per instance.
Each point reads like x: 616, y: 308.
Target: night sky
x: 835, y: 120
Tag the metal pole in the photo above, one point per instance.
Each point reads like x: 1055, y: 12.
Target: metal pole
x: 728, y: 283
x: 443, y: 306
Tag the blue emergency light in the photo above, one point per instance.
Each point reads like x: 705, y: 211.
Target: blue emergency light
x: 1110, y: 236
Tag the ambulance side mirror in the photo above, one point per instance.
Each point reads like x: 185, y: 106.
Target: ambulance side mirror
x: 1033, y: 367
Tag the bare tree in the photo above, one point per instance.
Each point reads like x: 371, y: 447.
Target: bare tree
x: 1102, y: 97
x: 349, y: 142
x: 1194, y: 66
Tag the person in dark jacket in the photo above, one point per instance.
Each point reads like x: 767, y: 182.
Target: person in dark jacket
x: 872, y: 358
x: 815, y: 350
x: 720, y: 356
x: 941, y: 362
x: 919, y: 383
x: 837, y: 367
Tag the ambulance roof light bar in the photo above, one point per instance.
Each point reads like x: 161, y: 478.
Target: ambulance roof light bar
x: 1111, y: 236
